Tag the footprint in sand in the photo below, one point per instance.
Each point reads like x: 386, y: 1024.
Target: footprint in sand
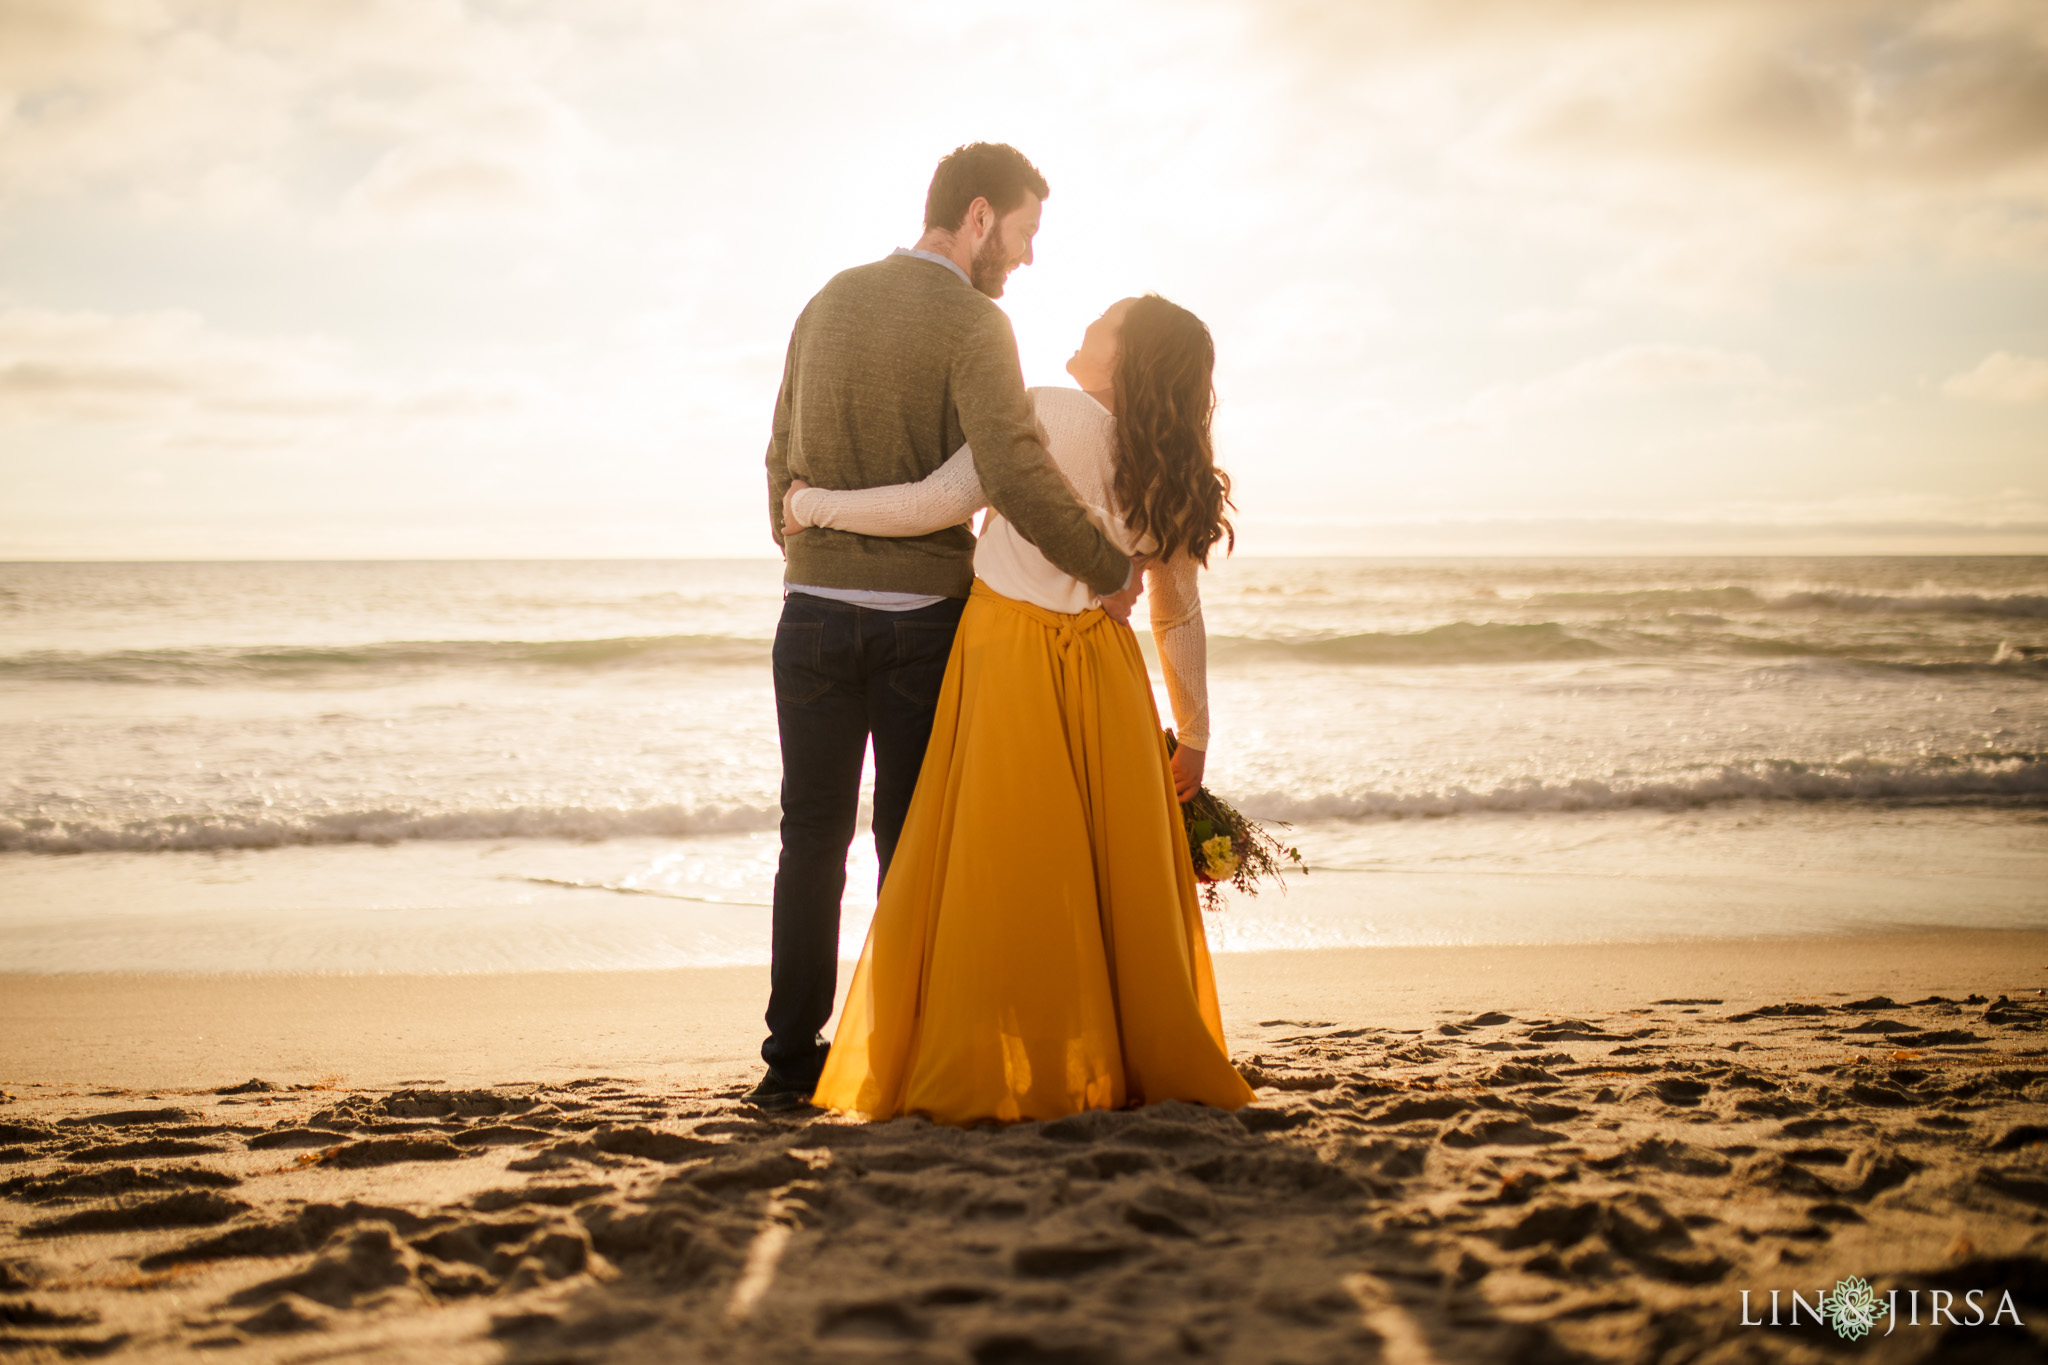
x: 199, y: 1208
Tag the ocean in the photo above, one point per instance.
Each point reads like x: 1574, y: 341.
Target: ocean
x: 460, y: 766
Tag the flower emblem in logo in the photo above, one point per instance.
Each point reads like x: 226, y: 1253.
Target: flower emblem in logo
x: 1853, y: 1308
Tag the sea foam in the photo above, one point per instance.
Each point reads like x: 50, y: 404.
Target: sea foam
x: 1997, y: 776
x: 1974, y: 776
x: 184, y: 833
x: 258, y: 665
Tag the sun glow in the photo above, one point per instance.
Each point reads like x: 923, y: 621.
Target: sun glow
x: 1533, y: 278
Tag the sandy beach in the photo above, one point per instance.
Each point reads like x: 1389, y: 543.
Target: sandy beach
x: 1457, y: 1154
x: 1571, y: 474
x: 383, y: 953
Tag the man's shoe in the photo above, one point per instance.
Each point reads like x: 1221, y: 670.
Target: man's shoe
x: 777, y: 1093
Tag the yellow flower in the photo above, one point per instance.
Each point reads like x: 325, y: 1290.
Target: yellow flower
x: 1220, y: 856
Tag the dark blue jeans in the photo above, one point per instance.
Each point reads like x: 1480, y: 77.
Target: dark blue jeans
x: 843, y: 674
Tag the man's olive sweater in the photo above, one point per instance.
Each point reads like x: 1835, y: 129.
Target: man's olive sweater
x: 890, y: 369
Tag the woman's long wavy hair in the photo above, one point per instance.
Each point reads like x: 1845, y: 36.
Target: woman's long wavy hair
x: 1167, y: 484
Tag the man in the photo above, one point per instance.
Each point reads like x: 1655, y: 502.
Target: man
x: 891, y: 368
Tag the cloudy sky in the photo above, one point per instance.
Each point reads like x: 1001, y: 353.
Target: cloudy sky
x: 431, y: 278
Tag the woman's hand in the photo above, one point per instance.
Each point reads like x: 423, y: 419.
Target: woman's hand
x: 1187, y: 771
x: 1118, y: 604
x: 790, y: 525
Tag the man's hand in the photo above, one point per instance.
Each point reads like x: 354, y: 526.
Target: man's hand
x: 791, y: 526
x: 1118, y: 605
x: 1187, y: 767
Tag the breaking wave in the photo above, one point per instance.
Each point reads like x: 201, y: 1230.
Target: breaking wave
x: 1460, y: 643
x: 1550, y: 641
x: 2016, y: 776
x: 286, y: 663
x: 2000, y: 777
x: 1652, y: 599
x: 2024, y: 606
x: 184, y: 833
x: 1690, y: 624
x: 2016, y: 606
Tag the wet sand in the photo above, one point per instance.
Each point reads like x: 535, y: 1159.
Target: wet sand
x: 1472, y: 1154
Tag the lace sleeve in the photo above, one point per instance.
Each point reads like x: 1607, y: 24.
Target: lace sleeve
x: 1183, y: 642
x: 948, y: 496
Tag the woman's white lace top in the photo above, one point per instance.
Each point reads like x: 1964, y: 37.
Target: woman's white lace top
x: 1081, y: 435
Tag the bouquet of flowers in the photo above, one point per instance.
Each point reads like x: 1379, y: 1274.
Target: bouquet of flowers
x: 1228, y: 846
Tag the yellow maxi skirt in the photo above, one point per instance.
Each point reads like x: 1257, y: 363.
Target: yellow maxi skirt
x: 1038, y: 948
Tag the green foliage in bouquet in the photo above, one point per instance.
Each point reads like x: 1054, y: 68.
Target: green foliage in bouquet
x: 1228, y: 846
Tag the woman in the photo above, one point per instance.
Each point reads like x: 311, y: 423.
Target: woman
x: 1037, y: 949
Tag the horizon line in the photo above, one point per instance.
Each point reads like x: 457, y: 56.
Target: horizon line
x: 770, y: 559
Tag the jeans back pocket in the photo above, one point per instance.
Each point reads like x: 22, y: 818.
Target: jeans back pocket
x: 922, y: 651
x: 798, y: 658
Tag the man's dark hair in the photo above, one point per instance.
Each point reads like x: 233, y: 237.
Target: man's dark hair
x: 994, y: 171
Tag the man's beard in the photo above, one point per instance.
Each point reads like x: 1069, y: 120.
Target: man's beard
x: 991, y: 265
